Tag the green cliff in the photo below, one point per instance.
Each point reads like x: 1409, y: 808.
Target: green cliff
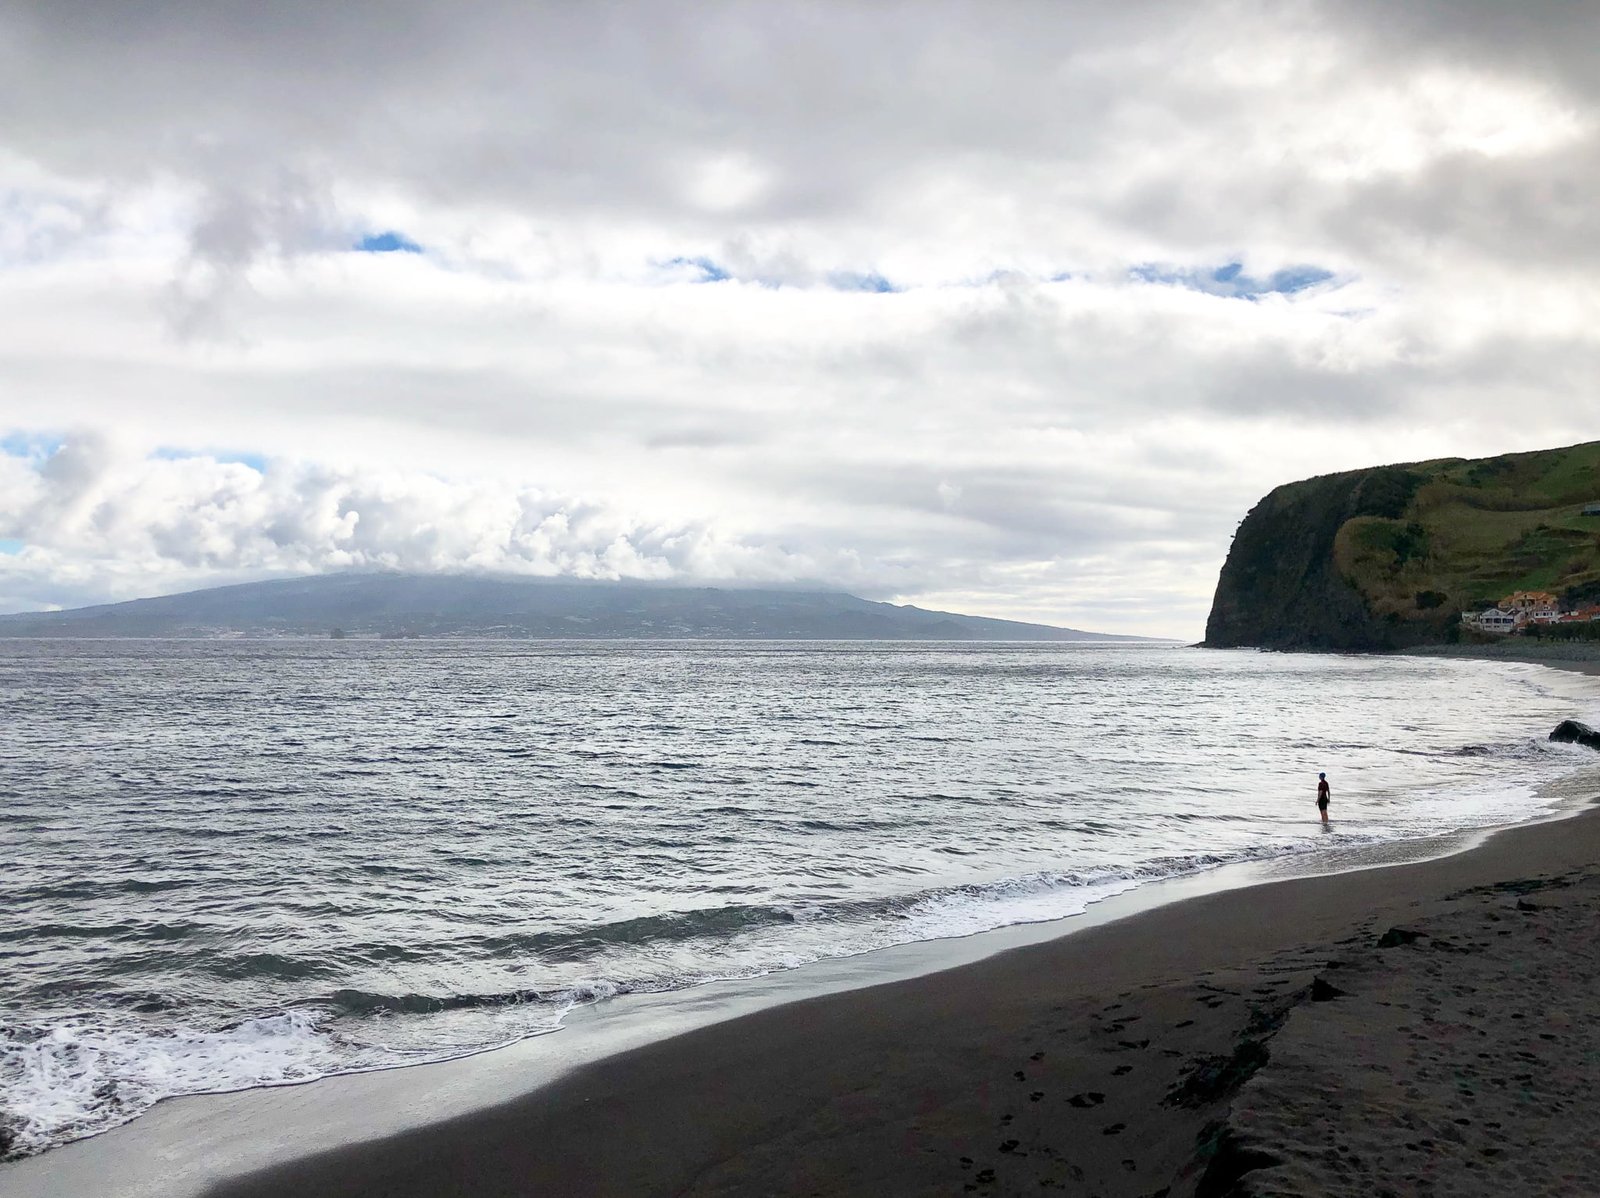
x: 1389, y: 557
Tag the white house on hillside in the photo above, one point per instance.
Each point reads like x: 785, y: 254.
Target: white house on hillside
x: 1492, y: 620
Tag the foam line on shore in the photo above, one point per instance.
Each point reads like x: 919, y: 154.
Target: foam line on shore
x: 1057, y: 1019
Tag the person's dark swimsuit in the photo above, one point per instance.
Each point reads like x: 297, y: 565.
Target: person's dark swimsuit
x: 1322, y: 796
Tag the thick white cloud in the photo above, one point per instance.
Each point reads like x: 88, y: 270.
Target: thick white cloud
x: 94, y: 517
x: 647, y: 333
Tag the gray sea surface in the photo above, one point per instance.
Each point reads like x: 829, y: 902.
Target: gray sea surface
x: 240, y: 863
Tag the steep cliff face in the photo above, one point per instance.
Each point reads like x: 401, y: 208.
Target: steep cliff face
x: 1389, y: 557
x: 1281, y: 587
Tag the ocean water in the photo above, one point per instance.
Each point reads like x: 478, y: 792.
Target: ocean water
x: 236, y: 863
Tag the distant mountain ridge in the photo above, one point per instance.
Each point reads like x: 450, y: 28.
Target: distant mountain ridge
x: 431, y: 605
x: 1390, y: 557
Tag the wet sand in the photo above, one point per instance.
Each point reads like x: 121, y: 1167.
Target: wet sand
x: 1282, y: 1038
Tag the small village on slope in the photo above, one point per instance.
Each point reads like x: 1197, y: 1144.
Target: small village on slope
x: 1522, y: 609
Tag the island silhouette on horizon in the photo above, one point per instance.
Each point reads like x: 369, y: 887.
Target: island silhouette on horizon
x: 398, y: 605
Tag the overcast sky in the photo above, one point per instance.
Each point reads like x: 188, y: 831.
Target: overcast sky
x: 1012, y: 309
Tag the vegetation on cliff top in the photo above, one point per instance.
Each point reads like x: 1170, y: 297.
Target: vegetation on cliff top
x: 1389, y: 557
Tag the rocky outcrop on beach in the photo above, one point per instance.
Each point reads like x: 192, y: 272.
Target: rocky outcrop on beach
x: 1572, y: 732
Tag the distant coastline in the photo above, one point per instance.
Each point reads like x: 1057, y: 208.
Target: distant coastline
x: 406, y: 606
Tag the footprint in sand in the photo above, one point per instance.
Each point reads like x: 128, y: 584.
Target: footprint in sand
x: 1035, y: 1096
x: 1121, y: 1069
x: 1116, y: 1129
x: 1088, y: 1098
x: 1038, y: 1056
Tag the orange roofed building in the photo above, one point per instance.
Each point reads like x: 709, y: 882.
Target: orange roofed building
x: 1528, y: 601
x: 1540, y: 606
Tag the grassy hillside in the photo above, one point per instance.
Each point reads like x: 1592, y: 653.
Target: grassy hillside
x: 1388, y: 557
x: 1474, y: 531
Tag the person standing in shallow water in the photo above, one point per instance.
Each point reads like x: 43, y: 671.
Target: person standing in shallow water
x: 1322, y: 796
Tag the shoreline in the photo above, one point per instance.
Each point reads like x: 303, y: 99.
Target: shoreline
x: 1167, y: 937
x: 413, y: 1093
x: 891, y: 1089
x: 1579, y: 657
x: 187, y: 1143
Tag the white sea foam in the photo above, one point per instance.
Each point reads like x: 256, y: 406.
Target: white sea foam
x: 69, y: 1080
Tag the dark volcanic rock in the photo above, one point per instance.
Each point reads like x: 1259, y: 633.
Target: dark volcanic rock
x: 1231, y: 1158
x: 1211, y: 1079
x: 1322, y: 990
x: 1571, y: 732
x: 1395, y: 937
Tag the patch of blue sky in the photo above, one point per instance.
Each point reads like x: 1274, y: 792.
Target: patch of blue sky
x: 710, y: 272
x: 849, y: 280
x: 1297, y: 278
x: 10, y: 546
x: 702, y: 269
x: 1229, y: 279
x: 255, y: 461
x: 30, y: 445
x: 388, y: 242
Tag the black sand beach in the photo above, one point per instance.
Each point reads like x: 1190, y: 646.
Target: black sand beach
x: 1415, y: 1029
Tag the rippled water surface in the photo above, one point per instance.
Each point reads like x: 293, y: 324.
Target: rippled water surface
x: 237, y: 863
